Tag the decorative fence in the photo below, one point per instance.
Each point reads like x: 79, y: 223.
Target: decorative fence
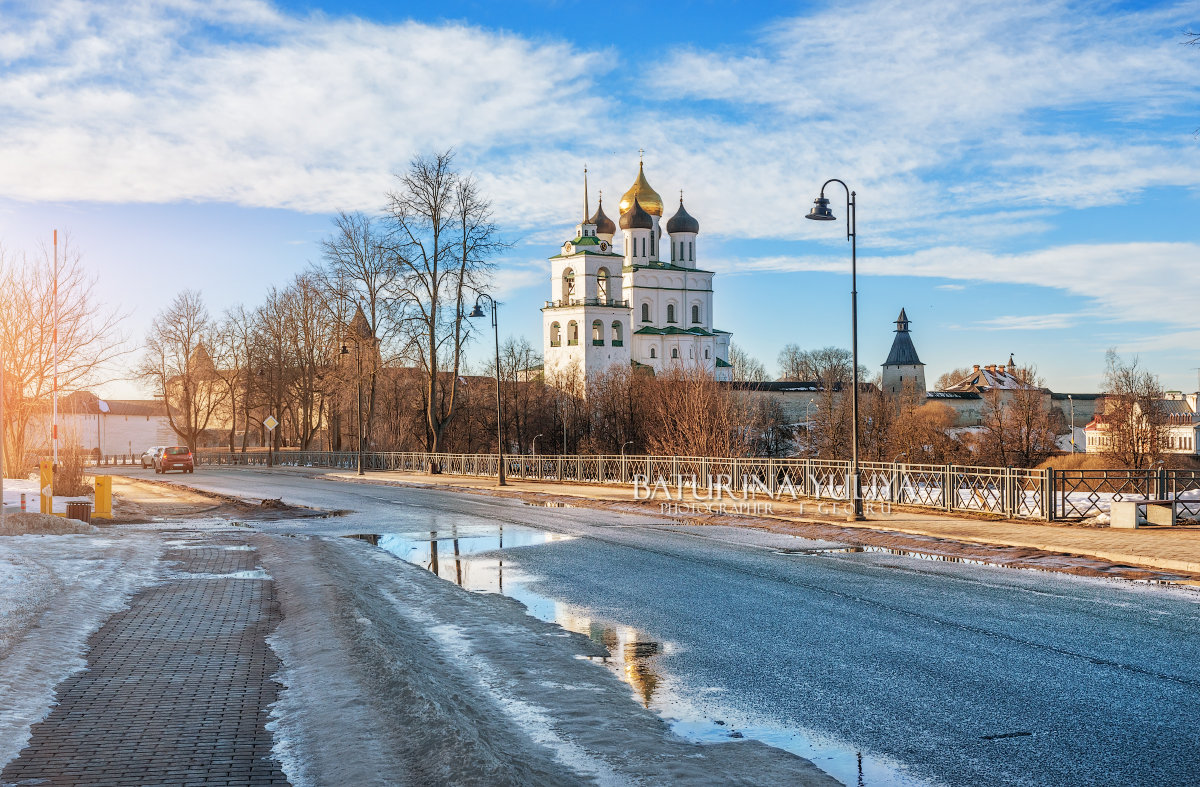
x: 1012, y: 492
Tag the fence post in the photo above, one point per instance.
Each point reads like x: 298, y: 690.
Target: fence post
x: 772, y: 480
x: 948, y: 499
x: 1009, y: 497
x: 1161, y: 492
x: 1050, y: 496
x: 897, y: 477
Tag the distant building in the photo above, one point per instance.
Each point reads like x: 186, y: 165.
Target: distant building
x: 903, y: 368
x: 1181, y: 433
x: 649, y: 305
x: 117, y: 427
x: 798, y: 400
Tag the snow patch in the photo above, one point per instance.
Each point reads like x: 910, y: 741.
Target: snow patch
x: 55, y: 591
x: 536, y: 721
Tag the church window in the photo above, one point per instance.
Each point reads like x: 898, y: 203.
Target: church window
x: 645, y: 312
x: 672, y: 252
x: 706, y: 353
x: 572, y: 333
x: 602, y: 284
x: 652, y: 239
x: 597, y: 333
x: 670, y: 312
x: 675, y: 352
x: 618, y: 334
x: 568, y: 284
x: 643, y: 247
x: 555, y: 335
x: 695, y: 313
x: 691, y: 353
x: 652, y: 354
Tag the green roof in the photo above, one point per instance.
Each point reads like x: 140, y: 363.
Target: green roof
x: 671, y: 330
x: 665, y: 266
x: 722, y: 364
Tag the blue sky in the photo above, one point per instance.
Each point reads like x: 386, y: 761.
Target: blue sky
x: 1027, y: 172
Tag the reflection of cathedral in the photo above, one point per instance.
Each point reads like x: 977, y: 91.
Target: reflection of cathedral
x: 647, y: 305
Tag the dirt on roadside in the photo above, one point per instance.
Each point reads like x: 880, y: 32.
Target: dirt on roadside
x: 137, y: 501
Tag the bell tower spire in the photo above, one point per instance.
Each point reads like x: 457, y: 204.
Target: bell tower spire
x: 585, y: 195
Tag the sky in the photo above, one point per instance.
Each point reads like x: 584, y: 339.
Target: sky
x: 1027, y: 173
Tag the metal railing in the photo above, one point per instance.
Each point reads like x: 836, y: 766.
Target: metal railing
x: 1046, y: 494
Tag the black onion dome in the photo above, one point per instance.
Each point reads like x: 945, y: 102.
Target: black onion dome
x: 604, y: 225
x: 636, y: 218
x: 682, y: 221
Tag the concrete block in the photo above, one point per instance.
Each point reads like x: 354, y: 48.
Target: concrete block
x: 1123, y: 513
x: 1160, y: 514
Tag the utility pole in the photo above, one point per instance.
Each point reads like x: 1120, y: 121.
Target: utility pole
x: 1, y: 440
x: 54, y: 416
x: 1072, y: 401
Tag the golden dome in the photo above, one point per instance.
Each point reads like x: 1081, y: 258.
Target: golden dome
x: 647, y: 197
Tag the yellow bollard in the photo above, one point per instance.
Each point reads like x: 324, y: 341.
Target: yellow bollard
x: 47, y: 485
x: 103, y: 507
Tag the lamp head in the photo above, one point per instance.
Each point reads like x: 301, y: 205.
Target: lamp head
x: 344, y: 351
x: 820, y: 211
x: 477, y: 311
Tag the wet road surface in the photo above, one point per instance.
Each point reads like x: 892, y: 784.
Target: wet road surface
x: 931, y: 672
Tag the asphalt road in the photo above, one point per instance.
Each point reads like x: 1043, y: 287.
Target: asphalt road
x: 946, y: 673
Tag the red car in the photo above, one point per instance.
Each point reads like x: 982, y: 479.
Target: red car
x: 175, y: 457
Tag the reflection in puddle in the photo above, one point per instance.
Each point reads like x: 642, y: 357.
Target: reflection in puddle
x: 471, y: 557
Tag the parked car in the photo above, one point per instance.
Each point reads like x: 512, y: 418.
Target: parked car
x: 150, y: 454
x: 175, y: 457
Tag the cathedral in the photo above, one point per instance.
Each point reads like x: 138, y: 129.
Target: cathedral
x: 646, y: 304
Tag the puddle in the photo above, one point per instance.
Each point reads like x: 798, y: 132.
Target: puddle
x: 257, y: 573
x: 471, y: 557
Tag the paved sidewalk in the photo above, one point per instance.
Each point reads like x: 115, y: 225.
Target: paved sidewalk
x: 176, y: 689
x: 1171, y: 549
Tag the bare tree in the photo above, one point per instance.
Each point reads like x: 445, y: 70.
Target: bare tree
x: 178, y: 364
x: 88, y: 340
x: 1134, y: 419
x: 360, y: 270
x: 442, y: 238
x: 746, y: 368
x: 795, y: 364
x: 1018, y: 426
x: 691, y: 414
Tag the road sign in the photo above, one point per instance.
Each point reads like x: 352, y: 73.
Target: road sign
x: 270, y: 423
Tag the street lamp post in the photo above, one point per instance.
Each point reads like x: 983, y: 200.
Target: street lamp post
x: 478, y: 312
x: 627, y: 442
x: 358, y: 426
x: 1072, y: 401
x: 821, y: 212
x: 535, y: 437
x: 1, y: 443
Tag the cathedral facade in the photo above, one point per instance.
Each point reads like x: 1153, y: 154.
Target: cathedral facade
x: 645, y: 303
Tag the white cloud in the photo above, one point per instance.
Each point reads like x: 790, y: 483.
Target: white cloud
x: 1128, y: 282
x: 960, y: 124
x: 1029, y: 322
x: 310, y: 114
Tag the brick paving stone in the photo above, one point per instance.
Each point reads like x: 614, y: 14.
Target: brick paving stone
x: 176, y: 689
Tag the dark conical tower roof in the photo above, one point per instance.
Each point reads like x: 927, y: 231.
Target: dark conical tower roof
x: 903, y: 352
